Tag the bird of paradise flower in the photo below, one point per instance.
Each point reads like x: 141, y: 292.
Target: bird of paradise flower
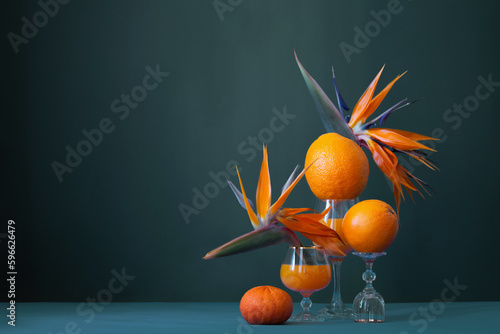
x: 265, y: 219
x: 383, y: 143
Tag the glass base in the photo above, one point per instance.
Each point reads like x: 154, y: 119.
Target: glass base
x: 369, y: 321
x: 306, y: 316
x: 369, y: 305
x: 336, y: 310
x: 331, y: 313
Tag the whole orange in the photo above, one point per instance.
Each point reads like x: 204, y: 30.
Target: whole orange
x: 340, y: 169
x: 266, y: 305
x: 370, y: 226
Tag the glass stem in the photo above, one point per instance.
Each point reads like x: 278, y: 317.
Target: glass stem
x: 337, y: 304
x: 369, y: 276
x: 306, y: 304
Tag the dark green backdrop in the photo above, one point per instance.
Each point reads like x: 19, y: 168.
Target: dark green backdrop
x: 119, y: 207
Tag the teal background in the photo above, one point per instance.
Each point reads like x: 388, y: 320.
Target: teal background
x: 120, y: 207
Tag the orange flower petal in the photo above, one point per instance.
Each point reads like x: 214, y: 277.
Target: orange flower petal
x: 396, y: 140
x: 281, y: 200
x: 383, y: 160
x: 389, y: 165
x: 398, y: 193
x: 364, y: 100
x: 264, y: 187
x: 304, y: 225
x: 285, y: 212
x: 422, y: 160
x: 314, y: 216
x: 375, y: 102
x: 412, y: 135
x: 328, y: 243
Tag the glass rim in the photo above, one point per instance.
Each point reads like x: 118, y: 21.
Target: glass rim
x: 340, y: 200
x: 306, y: 247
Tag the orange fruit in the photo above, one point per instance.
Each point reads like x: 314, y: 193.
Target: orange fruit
x: 370, y: 226
x: 340, y: 169
x: 266, y: 305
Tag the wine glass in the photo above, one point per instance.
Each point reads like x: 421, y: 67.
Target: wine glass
x: 306, y: 270
x: 369, y: 306
x: 337, y: 309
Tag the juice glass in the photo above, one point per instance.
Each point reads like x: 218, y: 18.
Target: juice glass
x: 306, y: 270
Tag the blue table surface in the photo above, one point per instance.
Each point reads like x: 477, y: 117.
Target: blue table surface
x: 225, y: 318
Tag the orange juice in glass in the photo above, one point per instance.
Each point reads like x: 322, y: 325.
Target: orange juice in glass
x: 306, y: 270
x: 305, y: 278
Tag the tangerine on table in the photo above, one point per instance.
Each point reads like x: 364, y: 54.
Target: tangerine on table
x: 266, y: 305
x: 340, y: 169
x: 370, y: 226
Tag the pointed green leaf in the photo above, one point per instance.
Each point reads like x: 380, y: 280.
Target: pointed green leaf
x: 332, y: 120
x: 263, y: 237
